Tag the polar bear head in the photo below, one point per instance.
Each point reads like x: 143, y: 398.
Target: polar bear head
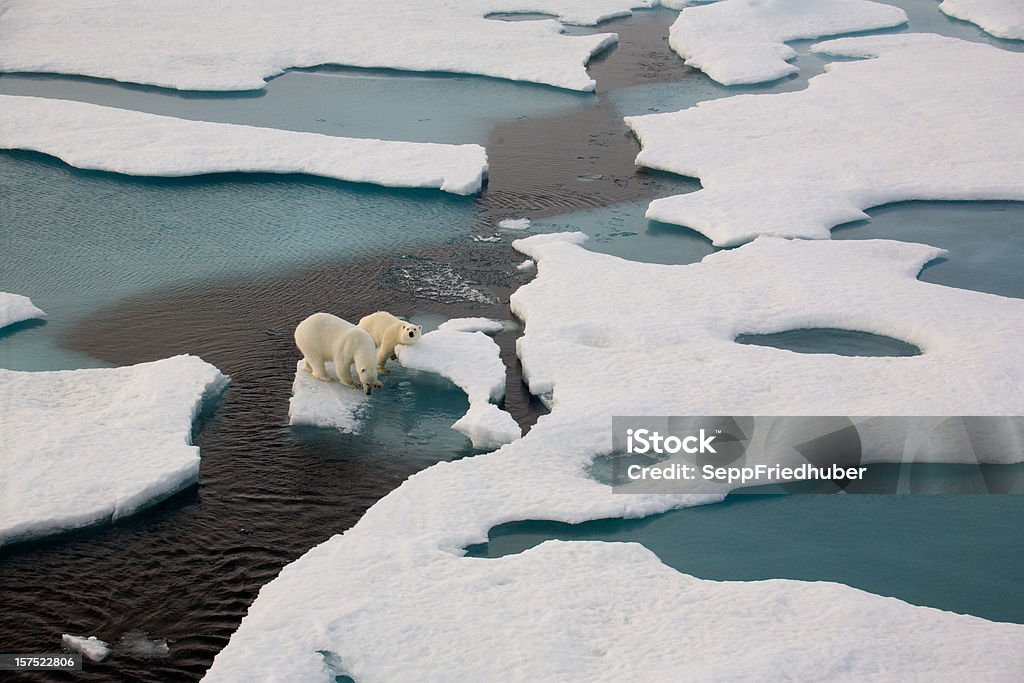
x: 368, y: 376
x: 410, y: 334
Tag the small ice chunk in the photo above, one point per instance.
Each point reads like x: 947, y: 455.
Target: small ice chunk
x: 139, y: 644
x: 317, y: 403
x: 92, y: 647
x: 526, y: 265
x: 485, y: 325
x: 486, y: 238
x: 472, y: 361
x: 14, y: 308
x: 514, y: 224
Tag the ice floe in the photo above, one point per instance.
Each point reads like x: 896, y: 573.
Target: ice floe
x: 514, y: 224
x: 15, y: 308
x: 612, y: 337
x: 461, y: 351
x: 91, y: 136
x: 92, y: 647
x: 237, y: 45
x: 87, y: 446
x: 1001, y: 18
x: 744, y: 41
x: 315, y: 403
x: 888, y: 128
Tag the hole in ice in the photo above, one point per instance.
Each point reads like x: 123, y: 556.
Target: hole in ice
x: 519, y: 16
x: 832, y: 341
x: 333, y: 663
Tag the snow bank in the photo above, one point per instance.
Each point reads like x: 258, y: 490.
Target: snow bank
x: 15, y: 308
x: 744, y: 41
x: 238, y: 44
x: 612, y: 337
x: 1001, y: 18
x: 121, y: 141
x: 92, y: 647
x: 316, y: 403
x: 461, y: 351
x: 81, y: 447
x: 926, y: 117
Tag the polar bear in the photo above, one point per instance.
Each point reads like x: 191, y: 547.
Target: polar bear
x: 388, y: 332
x: 322, y: 337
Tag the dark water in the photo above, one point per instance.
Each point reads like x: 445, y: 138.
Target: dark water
x: 956, y: 552
x: 187, y: 570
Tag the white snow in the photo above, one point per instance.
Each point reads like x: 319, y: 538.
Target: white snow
x: 744, y: 41
x: 92, y: 647
x: 461, y: 351
x: 316, y: 403
x: 514, y: 224
x: 15, y: 308
x: 486, y: 325
x: 81, y: 447
x: 238, y: 44
x: 922, y: 117
x: 1001, y: 18
x: 612, y: 337
x: 135, y: 143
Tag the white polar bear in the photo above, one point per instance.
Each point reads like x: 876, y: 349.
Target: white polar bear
x: 388, y: 332
x: 322, y: 337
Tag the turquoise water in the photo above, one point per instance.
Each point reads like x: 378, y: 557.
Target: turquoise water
x: 75, y: 240
x: 955, y: 552
x: 362, y: 103
x: 985, y: 240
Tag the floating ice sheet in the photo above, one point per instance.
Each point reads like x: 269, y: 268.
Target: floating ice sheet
x: 744, y: 41
x: 14, y: 308
x: 889, y: 128
x: 316, y: 403
x: 1001, y: 18
x: 461, y: 351
x: 81, y: 447
x: 238, y: 44
x: 103, y: 138
x: 613, y: 337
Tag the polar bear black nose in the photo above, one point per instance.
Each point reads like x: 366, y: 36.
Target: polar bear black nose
x: 411, y: 335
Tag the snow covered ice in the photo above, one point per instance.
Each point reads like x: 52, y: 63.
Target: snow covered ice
x: 92, y: 647
x: 15, y: 308
x: 82, y: 447
x: 514, y: 224
x: 608, y: 611
x: 316, y: 403
x: 134, y: 143
x: 1001, y: 18
x: 461, y: 351
x: 743, y: 41
x: 237, y: 45
x: 919, y: 117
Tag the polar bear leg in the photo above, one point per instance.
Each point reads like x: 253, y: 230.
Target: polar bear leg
x: 343, y: 367
x: 316, y: 368
x: 386, y: 350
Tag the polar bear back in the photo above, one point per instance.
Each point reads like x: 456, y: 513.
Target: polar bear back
x: 379, y: 324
